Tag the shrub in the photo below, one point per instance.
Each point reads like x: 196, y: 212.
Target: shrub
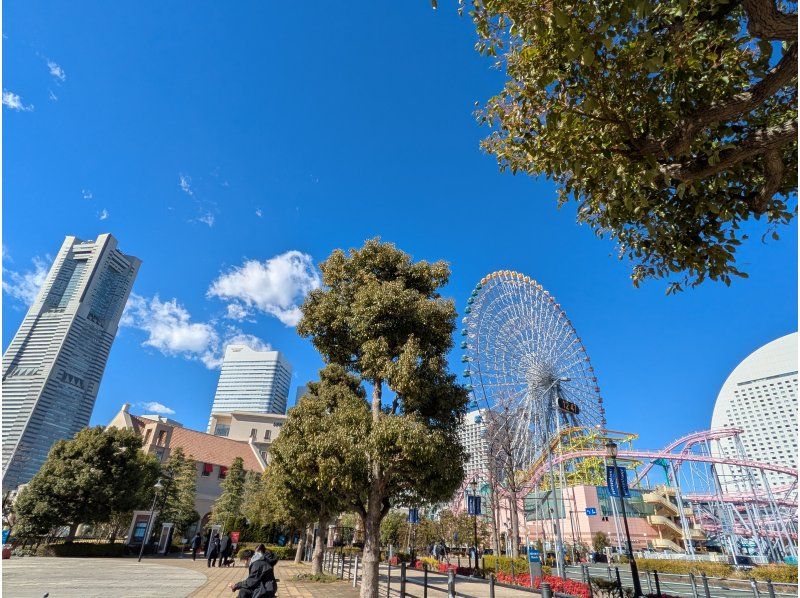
x: 321, y: 578
x: 82, y: 549
x: 776, y: 573
x: 685, y: 567
x: 520, y: 564
x: 282, y: 552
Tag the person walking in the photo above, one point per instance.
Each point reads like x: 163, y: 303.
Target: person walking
x: 212, y: 551
x: 260, y: 581
x: 224, y: 549
x: 196, y: 542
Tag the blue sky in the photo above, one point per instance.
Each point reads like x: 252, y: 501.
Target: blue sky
x: 233, y: 139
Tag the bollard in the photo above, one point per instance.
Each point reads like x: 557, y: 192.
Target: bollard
x: 451, y: 583
x: 458, y: 561
x: 355, y: 575
x: 658, y: 585
x: 425, y: 580
x: 770, y: 589
x: 491, y: 585
x: 694, y: 585
x: 619, y: 583
x: 754, y: 586
x: 705, y: 584
x: 649, y: 583
x: 402, y: 580
x: 609, y: 572
x: 545, y: 589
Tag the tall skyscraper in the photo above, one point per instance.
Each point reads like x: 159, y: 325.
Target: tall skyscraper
x: 473, y: 437
x: 253, y: 381
x: 53, y: 366
x: 760, y: 397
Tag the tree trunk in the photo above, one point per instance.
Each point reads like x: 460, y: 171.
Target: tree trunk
x: 512, y: 499
x: 73, y: 529
x: 372, y: 520
x: 301, y: 545
x: 319, y: 547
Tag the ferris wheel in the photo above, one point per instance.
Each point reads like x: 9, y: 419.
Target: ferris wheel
x: 526, y: 362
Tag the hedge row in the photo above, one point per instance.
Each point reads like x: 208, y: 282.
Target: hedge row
x: 282, y: 552
x: 82, y: 549
x: 777, y: 573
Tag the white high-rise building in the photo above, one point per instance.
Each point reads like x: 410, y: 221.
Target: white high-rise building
x: 473, y: 437
x: 53, y: 366
x: 252, y: 381
x: 760, y: 397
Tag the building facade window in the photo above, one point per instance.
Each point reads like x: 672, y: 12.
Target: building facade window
x: 207, y: 469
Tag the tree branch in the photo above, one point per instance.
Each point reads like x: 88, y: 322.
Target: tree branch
x: 763, y: 141
x: 773, y: 175
x: 765, y: 21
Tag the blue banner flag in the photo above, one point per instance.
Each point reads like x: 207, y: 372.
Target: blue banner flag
x: 413, y: 515
x: 617, y: 484
x: 474, y: 505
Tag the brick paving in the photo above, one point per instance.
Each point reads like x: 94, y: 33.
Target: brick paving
x: 218, y: 579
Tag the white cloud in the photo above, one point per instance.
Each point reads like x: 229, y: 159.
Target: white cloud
x: 258, y: 212
x: 275, y: 286
x: 51, y: 95
x: 185, y: 183
x: 169, y: 327
x: 103, y: 214
x: 25, y: 286
x: 170, y: 330
x: 237, y: 311
x: 154, y: 407
x: 86, y: 194
x: 56, y: 71
x: 207, y: 218
x: 14, y: 102
x: 6, y: 254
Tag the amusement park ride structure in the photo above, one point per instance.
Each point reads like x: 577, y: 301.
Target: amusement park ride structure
x: 524, y: 358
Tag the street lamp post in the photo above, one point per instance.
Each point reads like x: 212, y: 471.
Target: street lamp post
x: 611, y: 452
x: 158, y: 486
x: 474, y: 484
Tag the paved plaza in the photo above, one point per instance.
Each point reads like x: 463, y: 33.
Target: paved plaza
x: 32, y: 577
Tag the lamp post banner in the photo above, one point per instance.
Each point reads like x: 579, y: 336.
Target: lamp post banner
x: 474, y: 505
x: 413, y: 515
x: 617, y: 484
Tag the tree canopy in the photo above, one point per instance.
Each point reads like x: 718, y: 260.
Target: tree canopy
x: 179, y: 478
x: 670, y: 123
x: 87, y: 479
x: 228, y: 507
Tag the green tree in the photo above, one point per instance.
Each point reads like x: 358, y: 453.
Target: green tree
x: 251, y: 499
x: 318, y: 460
x: 599, y: 541
x: 86, y: 480
x: 393, y: 528
x: 179, y: 477
x: 381, y: 316
x: 669, y: 123
x: 228, y: 507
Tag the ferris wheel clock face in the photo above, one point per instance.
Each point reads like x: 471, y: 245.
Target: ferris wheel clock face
x: 524, y: 359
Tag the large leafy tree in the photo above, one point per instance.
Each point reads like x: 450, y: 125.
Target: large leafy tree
x: 179, y: 477
x: 381, y: 316
x: 228, y: 507
x: 670, y: 123
x: 318, y: 461
x: 87, y: 479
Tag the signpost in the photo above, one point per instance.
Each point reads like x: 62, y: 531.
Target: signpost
x: 614, y: 489
x: 534, y: 563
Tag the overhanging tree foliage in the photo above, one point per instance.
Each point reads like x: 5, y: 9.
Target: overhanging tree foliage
x: 87, y: 479
x: 228, y: 507
x: 381, y: 316
x: 670, y: 123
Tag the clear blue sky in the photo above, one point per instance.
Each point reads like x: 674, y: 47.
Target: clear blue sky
x: 304, y: 127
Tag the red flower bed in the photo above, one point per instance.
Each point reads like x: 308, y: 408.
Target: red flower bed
x: 562, y: 586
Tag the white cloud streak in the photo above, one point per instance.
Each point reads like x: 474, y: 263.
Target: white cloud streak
x: 155, y: 407
x: 103, y: 214
x: 24, y: 286
x: 56, y: 71
x: 185, y: 183
x: 275, y: 286
x: 14, y: 102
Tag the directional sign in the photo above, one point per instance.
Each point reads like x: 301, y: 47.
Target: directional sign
x: 474, y: 505
x: 591, y: 510
x: 617, y: 484
x: 413, y: 515
x: 533, y: 556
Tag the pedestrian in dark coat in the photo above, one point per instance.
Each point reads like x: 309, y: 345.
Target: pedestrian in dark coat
x: 224, y: 550
x: 212, y: 552
x: 196, y: 542
x: 260, y: 582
